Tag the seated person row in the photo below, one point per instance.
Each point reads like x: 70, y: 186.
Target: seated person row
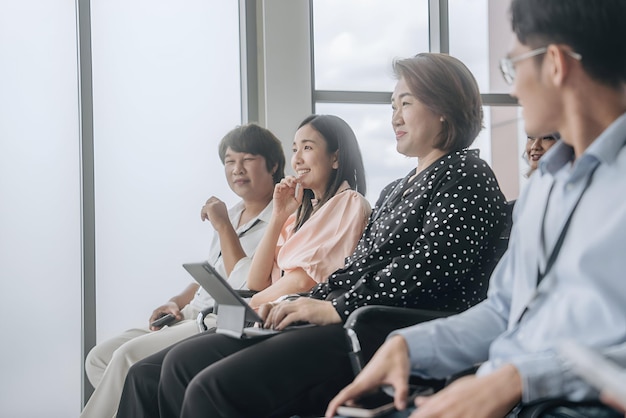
x: 562, y: 277
x: 297, y: 249
x: 428, y: 244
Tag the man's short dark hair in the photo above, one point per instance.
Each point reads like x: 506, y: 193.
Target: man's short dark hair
x: 596, y: 29
x: 254, y: 139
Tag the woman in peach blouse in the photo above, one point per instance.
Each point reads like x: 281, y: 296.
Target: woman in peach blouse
x: 319, y: 214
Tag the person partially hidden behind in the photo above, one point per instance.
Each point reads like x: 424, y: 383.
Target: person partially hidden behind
x: 536, y: 147
x: 428, y: 244
x: 254, y: 162
x: 562, y: 276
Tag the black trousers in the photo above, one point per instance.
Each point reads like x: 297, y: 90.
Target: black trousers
x: 213, y: 375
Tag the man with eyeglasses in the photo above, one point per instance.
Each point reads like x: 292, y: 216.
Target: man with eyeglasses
x: 563, y: 276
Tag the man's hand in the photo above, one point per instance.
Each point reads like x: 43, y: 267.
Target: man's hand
x: 612, y: 401
x: 389, y: 366
x: 169, y: 307
x: 215, y: 211
x: 279, y: 315
x: 490, y: 396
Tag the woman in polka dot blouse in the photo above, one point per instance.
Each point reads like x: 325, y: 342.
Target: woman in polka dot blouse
x: 429, y: 244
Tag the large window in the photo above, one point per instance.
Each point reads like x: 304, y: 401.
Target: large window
x: 353, y: 76
x: 356, y: 40
x: 166, y: 90
x: 355, y: 55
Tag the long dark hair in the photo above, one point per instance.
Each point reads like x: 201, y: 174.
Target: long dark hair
x: 339, y: 138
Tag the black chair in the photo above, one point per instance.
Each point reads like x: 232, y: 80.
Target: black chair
x: 368, y: 326
x: 560, y: 408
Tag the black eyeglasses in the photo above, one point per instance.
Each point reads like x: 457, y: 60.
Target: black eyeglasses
x: 507, y: 65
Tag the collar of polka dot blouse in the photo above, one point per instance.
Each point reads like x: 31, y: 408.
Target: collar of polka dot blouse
x: 397, y: 191
x: 406, y: 188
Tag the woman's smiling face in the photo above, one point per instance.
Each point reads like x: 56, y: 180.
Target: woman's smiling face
x: 311, y: 161
x: 416, y: 126
x: 536, y: 147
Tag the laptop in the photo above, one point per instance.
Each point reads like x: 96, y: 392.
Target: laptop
x: 234, y: 313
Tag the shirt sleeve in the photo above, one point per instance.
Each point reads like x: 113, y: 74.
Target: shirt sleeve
x: 239, y: 275
x: 330, y: 235
x: 547, y: 375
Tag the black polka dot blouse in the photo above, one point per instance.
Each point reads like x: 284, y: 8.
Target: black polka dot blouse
x: 429, y: 242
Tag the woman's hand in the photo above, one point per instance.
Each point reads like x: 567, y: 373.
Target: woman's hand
x: 279, y: 315
x: 287, y: 196
x: 215, y: 211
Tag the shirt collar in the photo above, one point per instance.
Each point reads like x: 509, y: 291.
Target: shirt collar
x: 604, y: 149
x: 265, y: 215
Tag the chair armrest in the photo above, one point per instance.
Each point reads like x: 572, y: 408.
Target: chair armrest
x: 557, y: 408
x: 200, y: 319
x: 393, y: 317
x: 368, y: 327
x: 245, y: 293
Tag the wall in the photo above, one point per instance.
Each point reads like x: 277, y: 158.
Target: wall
x: 40, y: 276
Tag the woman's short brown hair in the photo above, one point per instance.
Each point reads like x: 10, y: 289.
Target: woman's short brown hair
x: 447, y: 87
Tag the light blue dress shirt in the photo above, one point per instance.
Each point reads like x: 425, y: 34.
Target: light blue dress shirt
x: 583, y: 296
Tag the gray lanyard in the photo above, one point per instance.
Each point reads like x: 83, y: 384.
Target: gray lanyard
x: 239, y: 235
x: 557, y: 247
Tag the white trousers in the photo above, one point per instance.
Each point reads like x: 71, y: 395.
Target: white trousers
x: 108, y: 362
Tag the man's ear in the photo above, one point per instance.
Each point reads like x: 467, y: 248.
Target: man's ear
x: 559, y: 63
